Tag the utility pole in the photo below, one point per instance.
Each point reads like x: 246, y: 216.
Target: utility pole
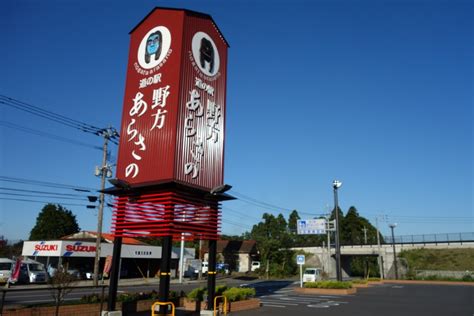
x: 107, y: 133
x: 380, y: 251
x: 392, y: 226
x: 328, y: 230
x: 336, y: 185
x: 365, y: 235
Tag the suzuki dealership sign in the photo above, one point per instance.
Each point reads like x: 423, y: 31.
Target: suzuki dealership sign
x: 60, y: 248
x: 65, y: 248
x: 173, y: 118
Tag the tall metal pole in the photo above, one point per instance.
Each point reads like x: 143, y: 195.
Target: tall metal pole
x: 100, y: 215
x: 114, y: 274
x: 165, y: 273
x: 338, y: 246
x: 329, y: 247
x: 380, y: 249
x: 211, y: 274
x: 392, y: 226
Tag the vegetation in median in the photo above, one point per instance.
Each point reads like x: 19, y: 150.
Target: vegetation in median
x: 328, y: 285
x: 359, y: 281
x: 232, y: 294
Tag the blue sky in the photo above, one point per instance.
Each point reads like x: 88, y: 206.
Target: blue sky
x: 377, y: 94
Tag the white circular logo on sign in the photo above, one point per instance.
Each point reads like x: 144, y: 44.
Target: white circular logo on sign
x: 154, y: 47
x: 205, y: 54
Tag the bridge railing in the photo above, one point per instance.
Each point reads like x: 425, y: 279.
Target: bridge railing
x: 431, y: 238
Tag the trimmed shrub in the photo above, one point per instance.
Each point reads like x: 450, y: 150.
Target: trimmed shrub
x: 235, y: 294
x: 359, y: 281
x: 328, y: 285
x: 374, y: 279
x: 197, y: 294
x: 220, y: 289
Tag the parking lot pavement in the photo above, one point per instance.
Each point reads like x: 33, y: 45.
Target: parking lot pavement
x: 386, y: 300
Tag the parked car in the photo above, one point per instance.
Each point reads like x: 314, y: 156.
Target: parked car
x: 30, y: 272
x: 255, y: 265
x: 6, y: 266
x: 205, y: 267
x: 311, y: 275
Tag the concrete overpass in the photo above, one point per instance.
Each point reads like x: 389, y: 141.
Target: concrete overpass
x: 322, y: 258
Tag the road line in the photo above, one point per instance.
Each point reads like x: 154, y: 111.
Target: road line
x: 274, y: 306
x: 280, y: 303
x: 318, y: 306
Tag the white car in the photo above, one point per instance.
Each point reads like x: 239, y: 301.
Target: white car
x: 311, y: 275
x: 255, y: 265
x: 5, y: 269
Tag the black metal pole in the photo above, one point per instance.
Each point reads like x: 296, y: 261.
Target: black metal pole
x: 211, y: 274
x: 394, y: 252
x: 338, y: 246
x: 3, y: 300
x: 114, y: 274
x: 165, y: 273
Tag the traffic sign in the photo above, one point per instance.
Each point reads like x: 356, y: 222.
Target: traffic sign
x: 300, y: 259
x: 311, y: 226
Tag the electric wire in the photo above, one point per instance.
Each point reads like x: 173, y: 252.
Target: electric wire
x: 58, y: 118
x: 48, y: 135
x: 43, y: 192
x: 44, y: 202
x: 42, y: 196
x: 46, y: 184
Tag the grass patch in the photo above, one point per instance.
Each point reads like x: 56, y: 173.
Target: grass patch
x: 439, y: 259
x: 328, y: 285
x: 359, y: 281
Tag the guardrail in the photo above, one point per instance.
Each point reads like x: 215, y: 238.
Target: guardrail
x: 163, y: 304
x: 5, y: 291
x: 216, y: 307
x: 431, y: 238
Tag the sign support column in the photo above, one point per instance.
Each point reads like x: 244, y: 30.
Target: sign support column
x: 211, y: 274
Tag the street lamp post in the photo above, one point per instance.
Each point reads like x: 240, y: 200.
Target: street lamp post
x: 392, y: 226
x: 336, y: 185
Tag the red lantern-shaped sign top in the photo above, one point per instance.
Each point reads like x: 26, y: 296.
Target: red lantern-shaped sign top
x: 173, y: 119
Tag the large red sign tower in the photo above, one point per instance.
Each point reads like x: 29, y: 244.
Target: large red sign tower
x: 170, y: 168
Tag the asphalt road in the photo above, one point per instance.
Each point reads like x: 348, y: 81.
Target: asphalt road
x: 385, y: 299
x: 278, y: 298
x: 37, y: 294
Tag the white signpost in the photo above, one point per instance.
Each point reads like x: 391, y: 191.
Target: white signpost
x: 300, y: 259
x: 311, y: 226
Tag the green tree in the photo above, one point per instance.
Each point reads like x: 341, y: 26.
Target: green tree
x: 54, y: 221
x: 274, y: 242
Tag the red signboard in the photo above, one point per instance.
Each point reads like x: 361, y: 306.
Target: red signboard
x: 173, y: 117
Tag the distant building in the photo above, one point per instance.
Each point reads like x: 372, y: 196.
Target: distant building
x: 77, y: 251
x: 236, y: 253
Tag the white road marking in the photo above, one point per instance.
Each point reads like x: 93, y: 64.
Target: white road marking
x: 268, y: 305
x: 318, y: 306
x: 278, y: 302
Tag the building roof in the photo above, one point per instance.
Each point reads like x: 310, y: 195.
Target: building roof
x: 235, y: 246
x: 106, y: 237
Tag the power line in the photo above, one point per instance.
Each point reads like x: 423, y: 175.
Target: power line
x: 48, y: 135
x: 42, y: 192
x: 43, y: 196
x: 44, y: 202
x: 58, y: 118
x: 46, y: 184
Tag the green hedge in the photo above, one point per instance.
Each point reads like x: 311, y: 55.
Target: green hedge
x: 359, y: 281
x: 235, y: 294
x: 328, y: 285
